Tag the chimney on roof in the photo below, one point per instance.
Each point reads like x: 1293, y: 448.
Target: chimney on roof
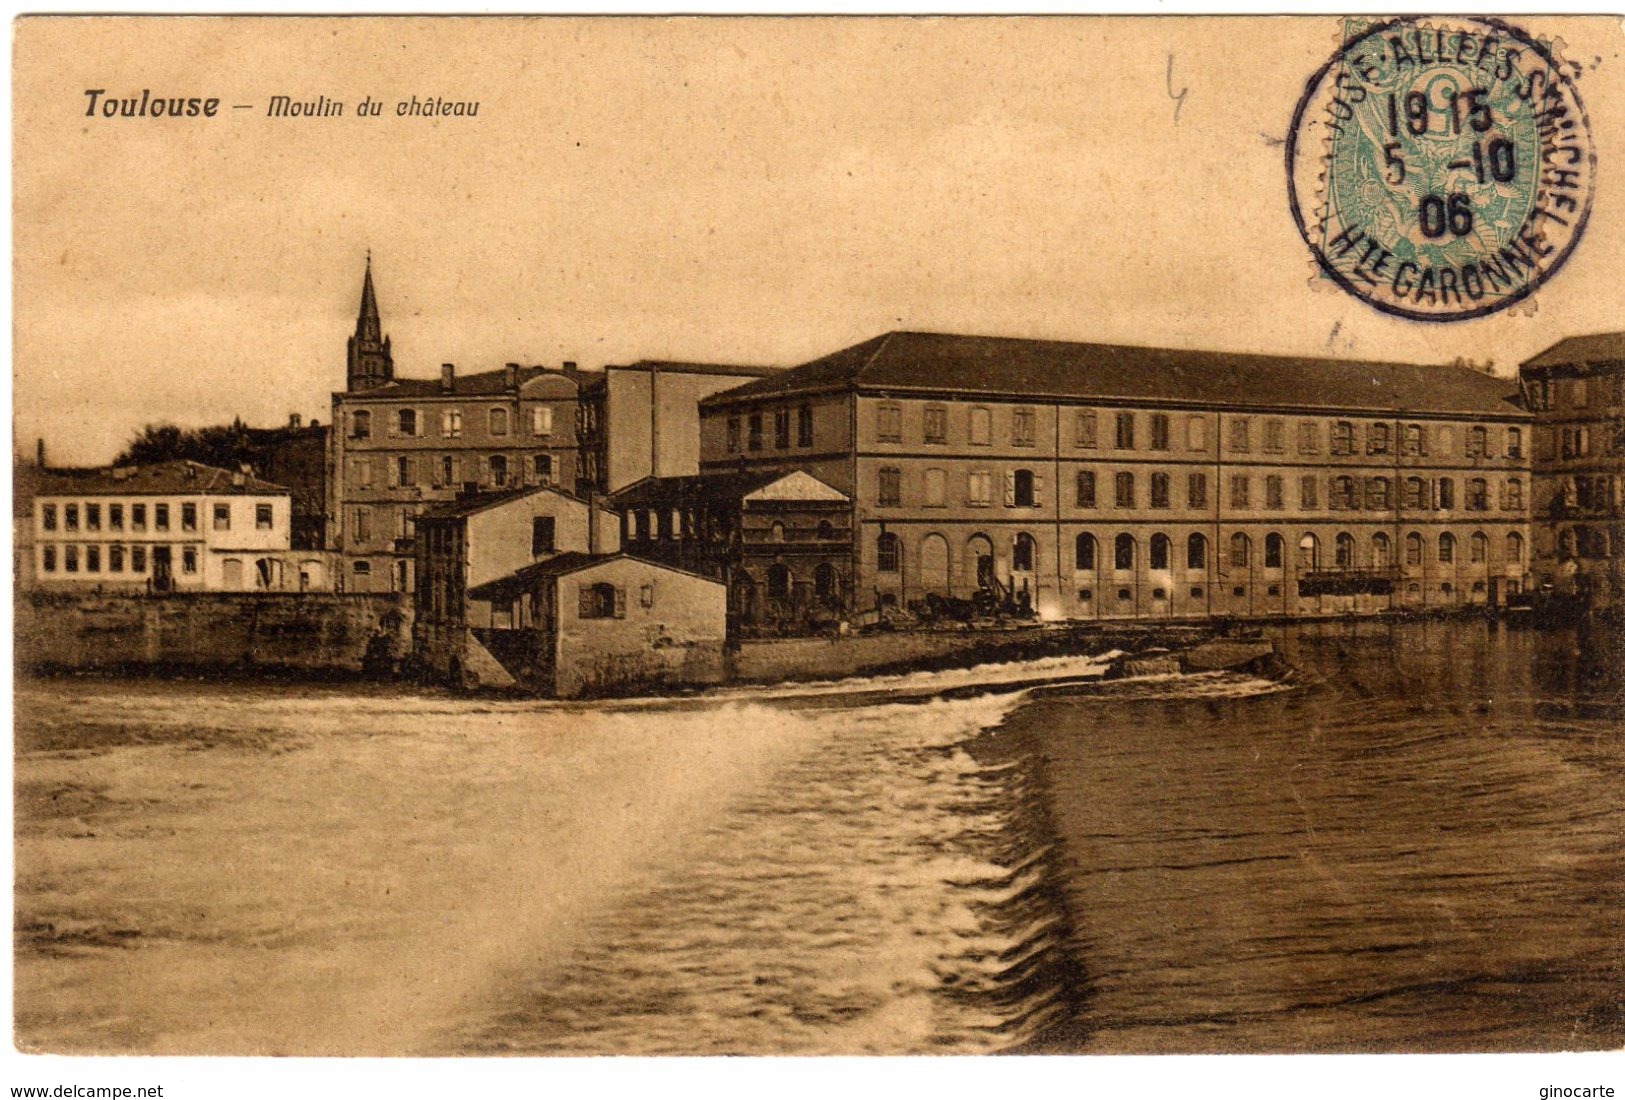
x: 570, y: 369
x: 239, y: 479
x: 512, y: 371
x: 295, y: 420
x: 448, y: 374
x: 39, y: 452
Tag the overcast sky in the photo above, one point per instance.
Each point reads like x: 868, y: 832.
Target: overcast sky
x: 725, y: 190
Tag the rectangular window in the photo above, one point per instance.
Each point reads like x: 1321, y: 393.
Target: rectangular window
x: 496, y: 468
x: 1086, y: 488
x: 1086, y: 428
x: 361, y: 425
x: 115, y: 558
x: 1478, y: 442
x: 733, y: 435
x: 1274, y: 436
x: 70, y: 517
x: 1241, y: 440
x: 1446, y: 490
x: 1308, y: 438
x: 1274, y: 492
x: 1196, y: 433
x: 70, y: 559
x: 499, y: 422
x: 1478, y: 495
x: 1342, y: 438
x: 936, y: 424
x: 1124, y: 490
x: 1159, y: 488
x: 50, y: 559
x: 1125, y: 431
x: 541, y: 536
x: 936, y: 488
x: 1413, y: 440
x: 138, y: 517
x: 160, y: 517
x: 48, y: 517
x: 363, y: 524
x: 979, y: 489
x: 222, y: 517
x: 889, y: 423
x: 981, y: 427
x: 1238, y: 489
x: 541, y: 469
x: 1196, y: 490
x: 189, y: 559
x: 93, y: 558
x: 754, y: 424
x: 804, y: 426
x: 781, y: 428
x: 115, y: 516
x: 93, y: 517
x: 189, y: 517
x: 138, y: 559
x: 890, y: 489
x: 1376, y: 494
x: 1415, y: 493
x: 1021, y: 428
x: 406, y: 421
x: 403, y: 470
x: 541, y: 420
x: 1159, y: 431
x: 451, y: 423
x: 262, y: 517
x: 1309, y: 492
x: 1377, y: 438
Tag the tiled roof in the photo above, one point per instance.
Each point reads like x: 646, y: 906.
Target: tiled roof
x: 174, y: 478
x: 661, y: 491
x: 929, y: 362
x: 559, y: 565
x: 484, y: 384
x: 678, y: 366
x: 1601, y: 347
x: 479, y: 502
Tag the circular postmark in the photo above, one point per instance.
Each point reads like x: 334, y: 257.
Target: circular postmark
x: 1440, y: 169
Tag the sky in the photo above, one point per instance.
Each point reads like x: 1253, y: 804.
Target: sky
x: 724, y: 190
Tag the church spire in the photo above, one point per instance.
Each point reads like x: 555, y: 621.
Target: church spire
x: 370, y: 361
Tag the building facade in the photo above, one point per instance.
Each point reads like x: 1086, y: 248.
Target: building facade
x: 170, y: 527
x: 643, y: 420
x: 781, y: 542
x: 1101, y: 482
x: 399, y: 445
x: 1576, y: 390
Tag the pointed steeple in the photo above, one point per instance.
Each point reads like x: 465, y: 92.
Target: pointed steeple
x: 370, y: 361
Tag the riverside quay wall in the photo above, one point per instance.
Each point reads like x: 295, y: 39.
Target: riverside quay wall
x: 303, y: 633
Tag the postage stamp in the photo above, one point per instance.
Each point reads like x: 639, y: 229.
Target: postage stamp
x: 1442, y: 168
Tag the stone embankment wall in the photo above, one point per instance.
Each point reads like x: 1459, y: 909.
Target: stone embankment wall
x: 304, y: 633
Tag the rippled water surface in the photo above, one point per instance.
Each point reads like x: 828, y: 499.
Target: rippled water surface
x: 1418, y: 850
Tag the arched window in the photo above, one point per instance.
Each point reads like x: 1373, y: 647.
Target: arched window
x: 1514, y: 547
x: 826, y: 581
x: 1414, y: 442
x: 778, y: 581
x: 1345, y: 550
x: 1159, y: 551
x: 1084, y: 552
x: 1447, y: 547
x: 361, y: 424
x: 1274, y: 550
x: 499, y: 421
x: 498, y: 468
x: 1240, y: 550
x: 1344, y: 493
x: 1478, y: 495
x: 1478, y: 548
x: 1025, y: 550
x: 1382, y: 550
x: 1514, y: 496
x: 933, y: 573
x: 1416, y: 494
x: 1342, y: 438
x: 1123, y: 552
x: 887, y: 553
x: 1196, y: 552
x: 1515, y: 442
x: 1308, y: 553
x: 1413, y: 549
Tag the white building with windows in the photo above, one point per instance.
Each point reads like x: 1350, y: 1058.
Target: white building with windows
x: 168, y: 527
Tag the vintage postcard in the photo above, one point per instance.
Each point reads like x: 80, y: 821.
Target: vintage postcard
x: 556, y: 536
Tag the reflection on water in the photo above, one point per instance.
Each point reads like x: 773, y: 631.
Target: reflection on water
x: 1418, y: 850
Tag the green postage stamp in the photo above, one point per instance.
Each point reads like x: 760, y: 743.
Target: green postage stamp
x: 1441, y: 168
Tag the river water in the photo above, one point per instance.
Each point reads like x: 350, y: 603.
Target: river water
x: 1417, y: 846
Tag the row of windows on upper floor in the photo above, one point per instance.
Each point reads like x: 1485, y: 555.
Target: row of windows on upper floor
x: 754, y: 424
x: 1125, y: 551
x: 67, y: 558
x: 408, y: 423
x: 89, y: 514
x: 1244, y: 434
x: 1579, y: 441
x: 1596, y: 391
x: 1024, y: 488
x: 450, y: 471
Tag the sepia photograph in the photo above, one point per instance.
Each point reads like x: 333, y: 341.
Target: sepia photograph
x: 557, y: 537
